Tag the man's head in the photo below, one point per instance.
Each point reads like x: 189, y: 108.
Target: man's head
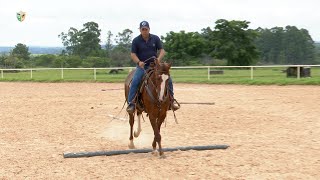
x: 144, y: 24
x: 144, y: 28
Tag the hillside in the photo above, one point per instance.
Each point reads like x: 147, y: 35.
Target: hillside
x: 36, y: 50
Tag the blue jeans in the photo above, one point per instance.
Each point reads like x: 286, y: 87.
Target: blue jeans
x: 137, y: 78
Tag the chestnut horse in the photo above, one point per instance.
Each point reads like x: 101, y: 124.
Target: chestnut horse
x: 152, y: 98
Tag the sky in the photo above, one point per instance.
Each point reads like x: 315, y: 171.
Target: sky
x: 46, y: 19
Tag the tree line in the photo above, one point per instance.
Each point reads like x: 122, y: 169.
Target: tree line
x: 228, y: 43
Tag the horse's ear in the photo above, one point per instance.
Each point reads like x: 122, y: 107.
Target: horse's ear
x: 169, y: 64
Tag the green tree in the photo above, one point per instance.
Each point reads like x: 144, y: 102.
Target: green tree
x: 73, y: 62
x: 120, y: 57
x: 84, y: 42
x: 60, y: 61
x: 44, y: 60
x: 183, y: 48
x: 270, y: 45
x: 209, y: 40
x: 109, y: 44
x: 3, y: 57
x: 21, y: 51
x: 96, y: 62
x: 288, y: 45
x: 124, y: 39
x: 71, y: 40
x: 120, y: 54
x: 317, y: 53
x: 13, y: 61
x: 232, y: 40
x: 90, y: 40
x: 299, y: 47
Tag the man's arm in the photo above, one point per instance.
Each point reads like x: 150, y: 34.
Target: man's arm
x: 161, y: 55
x: 136, y: 60
x: 134, y: 57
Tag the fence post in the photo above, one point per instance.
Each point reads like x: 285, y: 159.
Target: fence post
x: 2, y: 73
x: 208, y: 73
x: 298, y: 72
x: 251, y: 72
x: 61, y: 73
x: 95, y: 74
x: 31, y: 73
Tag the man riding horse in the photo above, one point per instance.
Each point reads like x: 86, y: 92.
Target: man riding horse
x: 144, y: 47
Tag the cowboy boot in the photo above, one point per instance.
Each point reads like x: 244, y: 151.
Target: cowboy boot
x: 174, y: 105
x: 132, y: 105
x: 131, y: 108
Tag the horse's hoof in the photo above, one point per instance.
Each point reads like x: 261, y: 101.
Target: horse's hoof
x: 131, y: 145
x: 162, y: 156
x: 155, y: 153
x: 136, y: 134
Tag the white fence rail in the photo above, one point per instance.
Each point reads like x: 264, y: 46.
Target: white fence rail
x: 209, y: 68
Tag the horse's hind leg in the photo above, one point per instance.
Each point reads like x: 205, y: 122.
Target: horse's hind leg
x: 131, y: 122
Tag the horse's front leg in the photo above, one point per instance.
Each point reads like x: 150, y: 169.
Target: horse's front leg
x: 131, y: 122
x: 157, y: 136
x: 137, y: 133
x: 159, y: 123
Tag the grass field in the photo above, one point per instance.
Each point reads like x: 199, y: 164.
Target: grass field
x: 230, y: 76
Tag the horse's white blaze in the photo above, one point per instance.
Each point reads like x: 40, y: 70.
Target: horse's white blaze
x: 137, y: 133
x: 163, y: 84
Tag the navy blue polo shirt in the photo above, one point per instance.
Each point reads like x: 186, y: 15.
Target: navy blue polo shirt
x: 146, y: 49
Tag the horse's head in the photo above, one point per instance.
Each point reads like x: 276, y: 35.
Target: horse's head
x: 162, y: 75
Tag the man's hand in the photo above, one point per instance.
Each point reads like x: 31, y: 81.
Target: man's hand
x: 141, y: 64
x: 158, y: 60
